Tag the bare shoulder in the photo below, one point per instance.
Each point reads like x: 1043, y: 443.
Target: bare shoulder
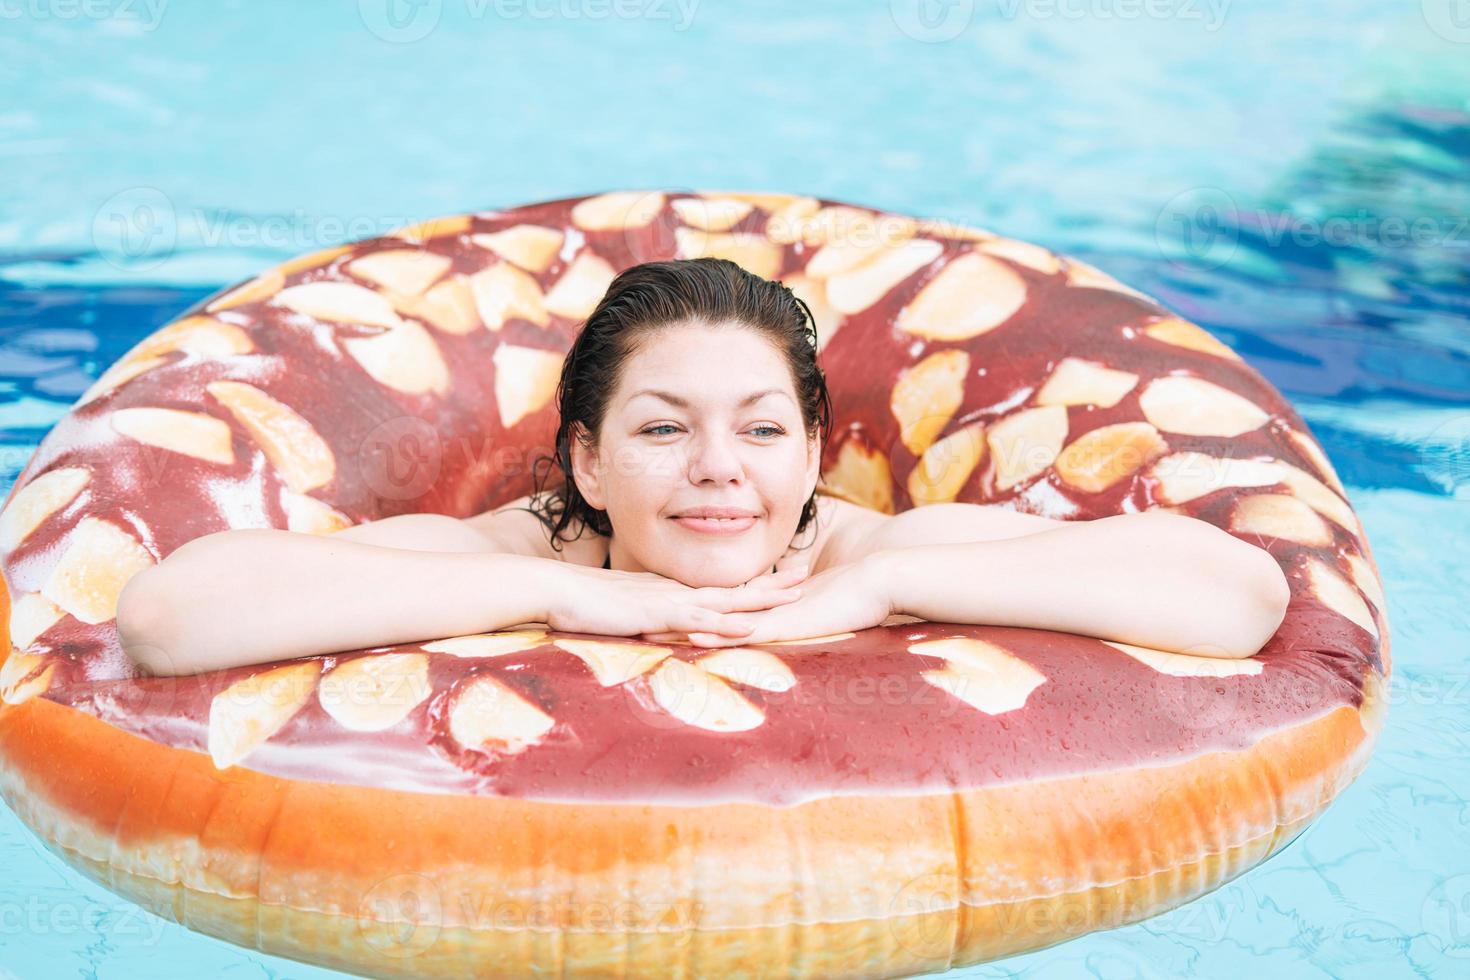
x: 518, y: 527
x: 858, y: 531
x: 841, y: 525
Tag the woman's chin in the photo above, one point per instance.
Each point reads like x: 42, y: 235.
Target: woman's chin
x: 715, y: 575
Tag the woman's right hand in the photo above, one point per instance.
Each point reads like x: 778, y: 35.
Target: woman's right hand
x: 615, y: 603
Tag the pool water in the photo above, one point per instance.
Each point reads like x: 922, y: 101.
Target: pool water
x: 1296, y: 180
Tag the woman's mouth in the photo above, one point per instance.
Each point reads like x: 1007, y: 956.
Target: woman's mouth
x: 716, y: 525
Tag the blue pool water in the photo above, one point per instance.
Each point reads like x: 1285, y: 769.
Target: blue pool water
x: 1297, y: 181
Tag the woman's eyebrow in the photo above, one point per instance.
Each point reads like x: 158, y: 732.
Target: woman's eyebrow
x: 674, y: 399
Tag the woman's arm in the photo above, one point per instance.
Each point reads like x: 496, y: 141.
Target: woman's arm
x: 257, y: 595
x: 865, y: 532
x: 421, y: 532
x: 1154, y: 579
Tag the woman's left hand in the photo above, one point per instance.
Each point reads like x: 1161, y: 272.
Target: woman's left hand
x: 846, y: 598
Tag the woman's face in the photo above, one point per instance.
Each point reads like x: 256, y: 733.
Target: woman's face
x: 703, y: 445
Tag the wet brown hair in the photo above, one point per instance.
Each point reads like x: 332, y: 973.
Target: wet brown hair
x: 649, y: 297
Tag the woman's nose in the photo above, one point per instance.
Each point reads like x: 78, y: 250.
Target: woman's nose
x: 715, y: 458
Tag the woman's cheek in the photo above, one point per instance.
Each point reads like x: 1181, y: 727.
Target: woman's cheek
x: 665, y: 466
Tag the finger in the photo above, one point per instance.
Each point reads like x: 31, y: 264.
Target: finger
x: 785, y: 575
x: 796, y: 560
x: 750, y: 600
x: 781, y: 578
x: 742, y: 598
x: 768, y: 625
x: 668, y: 637
x: 715, y: 640
x: 776, y: 597
x: 692, y: 618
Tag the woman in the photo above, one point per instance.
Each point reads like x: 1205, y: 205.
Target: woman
x: 693, y: 416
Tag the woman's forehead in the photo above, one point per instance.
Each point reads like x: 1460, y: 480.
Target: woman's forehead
x: 695, y: 399
x: 704, y: 377
x: 696, y: 347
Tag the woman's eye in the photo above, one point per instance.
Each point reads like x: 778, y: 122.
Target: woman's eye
x: 773, y: 431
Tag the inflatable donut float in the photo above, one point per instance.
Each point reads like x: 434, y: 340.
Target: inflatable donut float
x: 913, y: 797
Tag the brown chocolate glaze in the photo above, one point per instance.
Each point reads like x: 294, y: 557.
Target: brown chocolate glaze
x: 861, y: 717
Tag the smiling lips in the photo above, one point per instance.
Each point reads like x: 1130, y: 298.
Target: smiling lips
x: 716, y: 520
